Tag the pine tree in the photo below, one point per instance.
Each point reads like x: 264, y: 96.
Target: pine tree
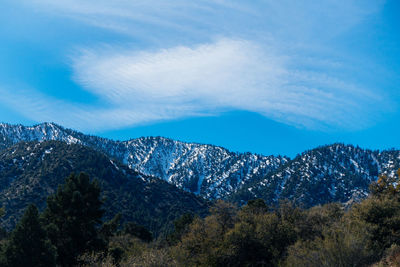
x: 73, y: 216
x: 29, y: 245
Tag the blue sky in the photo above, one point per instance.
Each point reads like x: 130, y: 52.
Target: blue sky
x: 271, y: 77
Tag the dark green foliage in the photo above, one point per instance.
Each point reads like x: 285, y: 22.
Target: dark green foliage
x: 314, y: 221
x: 339, y: 247
x: 381, y: 214
x: 110, y: 228
x: 382, y: 218
x: 361, y: 237
x: 40, y: 167
x: 73, y: 216
x: 116, y: 253
x: 255, y: 206
x: 255, y: 235
x: 29, y: 244
x: 3, y: 232
x: 181, y: 226
x: 182, y: 223
x: 202, y: 243
x: 285, y: 236
x: 260, y: 240
x: 138, y: 231
x: 327, y: 237
x: 282, y: 234
x: 251, y: 236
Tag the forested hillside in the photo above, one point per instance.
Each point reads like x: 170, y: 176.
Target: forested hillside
x: 336, y: 172
x: 30, y: 172
x: 366, y: 234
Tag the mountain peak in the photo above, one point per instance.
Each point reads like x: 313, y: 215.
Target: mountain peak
x: 327, y: 173
x: 207, y: 170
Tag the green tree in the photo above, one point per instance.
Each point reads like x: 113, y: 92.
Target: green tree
x: 341, y: 245
x: 224, y: 214
x: 138, y: 231
x: 381, y: 214
x: 110, y: 228
x: 251, y: 237
x: 181, y: 226
x: 255, y: 206
x: 29, y: 244
x: 202, y: 242
x: 386, y: 187
x: 260, y: 240
x: 382, y: 221
x: 73, y: 216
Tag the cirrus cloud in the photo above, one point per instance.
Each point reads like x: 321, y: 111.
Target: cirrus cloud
x: 269, y: 57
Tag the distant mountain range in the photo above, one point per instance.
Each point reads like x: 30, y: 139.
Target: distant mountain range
x: 335, y: 172
x: 332, y: 173
x: 207, y: 170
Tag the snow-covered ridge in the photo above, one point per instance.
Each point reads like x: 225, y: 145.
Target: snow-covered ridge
x: 207, y: 170
x: 326, y: 174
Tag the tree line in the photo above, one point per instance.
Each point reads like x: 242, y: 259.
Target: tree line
x: 70, y: 232
x: 70, y: 226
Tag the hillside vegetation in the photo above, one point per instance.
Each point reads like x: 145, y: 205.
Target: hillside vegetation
x: 329, y: 173
x: 30, y: 172
x: 70, y: 232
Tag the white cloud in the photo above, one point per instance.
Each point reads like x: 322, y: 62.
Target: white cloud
x: 224, y: 75
x: 183, y: 20
x: 143, y: 87
x: 215, y: 73
x: 274, y: 58
x: 38, y: 107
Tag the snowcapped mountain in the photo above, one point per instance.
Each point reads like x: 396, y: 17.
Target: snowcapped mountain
x: 207, y: 170
x: 329, y: 173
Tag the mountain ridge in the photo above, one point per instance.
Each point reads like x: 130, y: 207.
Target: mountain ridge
x: 330, y: 173
x: 336, y: 172
x: 31, y: 171
x: 179, y: 163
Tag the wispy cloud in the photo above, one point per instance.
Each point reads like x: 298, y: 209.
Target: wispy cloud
x: 226, y: 74
x: 205, y: 57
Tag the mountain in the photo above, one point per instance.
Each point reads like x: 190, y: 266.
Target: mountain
x: 332, y: 173
x: 328, y: 173
x: 31, y: 171
x: 207, y: 170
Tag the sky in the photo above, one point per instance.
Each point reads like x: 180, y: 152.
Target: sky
x: 268, y: 77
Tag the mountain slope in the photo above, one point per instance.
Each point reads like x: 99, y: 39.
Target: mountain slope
x: 210, y: 171
x: 329, y: 173
x: 29, y: 172
x: 326, y: 174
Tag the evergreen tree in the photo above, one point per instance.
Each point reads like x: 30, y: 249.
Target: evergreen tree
x: 73, y: 216
x: 28, y: 244
x: 181, y: 226
x: 138, y: 231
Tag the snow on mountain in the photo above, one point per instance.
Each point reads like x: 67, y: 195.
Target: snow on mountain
x: 335, y: 172
x: 329, y: 173
x: 30, y: 172
x: 207, y: 170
